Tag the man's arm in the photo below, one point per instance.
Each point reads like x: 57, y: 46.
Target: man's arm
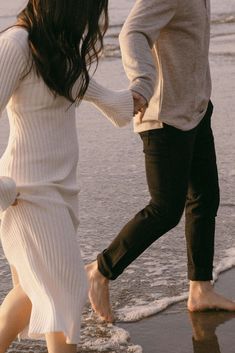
x: 137, y: 38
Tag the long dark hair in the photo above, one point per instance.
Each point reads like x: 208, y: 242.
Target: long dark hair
x: 65, y: 38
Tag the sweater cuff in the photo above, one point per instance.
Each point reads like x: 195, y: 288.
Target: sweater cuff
x: 143, y: 90
x: 8, y: 193
x: 117, y: 106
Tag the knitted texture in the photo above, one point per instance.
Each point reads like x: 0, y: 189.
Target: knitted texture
x: 39, y: 234
x: 165, y: 49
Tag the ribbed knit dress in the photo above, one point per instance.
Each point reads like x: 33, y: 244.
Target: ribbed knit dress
x: 39, y: 234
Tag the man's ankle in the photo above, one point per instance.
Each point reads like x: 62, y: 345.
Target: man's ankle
x: 200, y: 286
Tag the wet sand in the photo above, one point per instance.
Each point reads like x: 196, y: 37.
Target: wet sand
x: 178, y: 331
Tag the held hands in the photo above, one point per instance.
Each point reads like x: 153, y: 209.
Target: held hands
x: 140, y: 104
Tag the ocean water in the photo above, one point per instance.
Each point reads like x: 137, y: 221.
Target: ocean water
x: 113, y: 188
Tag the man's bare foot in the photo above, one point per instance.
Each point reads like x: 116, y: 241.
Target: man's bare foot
x: 203, y: 297
x: 99, y: 292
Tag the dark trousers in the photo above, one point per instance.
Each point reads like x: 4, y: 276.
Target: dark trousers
x: 181, y: 174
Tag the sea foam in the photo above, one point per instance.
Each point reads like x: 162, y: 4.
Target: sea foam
x: 109, y: 338
x: 138, y: 312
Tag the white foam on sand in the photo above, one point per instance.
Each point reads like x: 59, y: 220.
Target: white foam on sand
x: 226, y: 264
x: 114, y: 339
x: 135, y: 313
x: 111, y: 339
x: 138, y: 312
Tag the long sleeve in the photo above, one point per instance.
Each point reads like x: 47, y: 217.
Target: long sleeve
x: 12, y: 67
x: 117, y: 106
x: 137, y: 38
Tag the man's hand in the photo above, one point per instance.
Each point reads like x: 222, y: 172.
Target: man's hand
x: 140, y: 104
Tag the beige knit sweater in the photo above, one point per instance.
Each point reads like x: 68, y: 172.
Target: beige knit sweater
x: 165, y: 45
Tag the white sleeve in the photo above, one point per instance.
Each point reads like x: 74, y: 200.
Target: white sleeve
x: 8, y: 193
x: 12, y: 67
x: 117, y: 106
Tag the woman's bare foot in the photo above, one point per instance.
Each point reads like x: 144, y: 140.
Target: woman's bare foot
x: 203, y: 297
x: 99, y: 292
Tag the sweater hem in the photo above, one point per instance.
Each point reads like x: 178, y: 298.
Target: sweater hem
x: 148, y: 125
x: 158, y: 124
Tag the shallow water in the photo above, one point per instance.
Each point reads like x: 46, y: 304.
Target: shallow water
x: 113, y: 187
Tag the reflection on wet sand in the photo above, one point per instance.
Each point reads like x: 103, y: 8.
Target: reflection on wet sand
x: 204, y: 326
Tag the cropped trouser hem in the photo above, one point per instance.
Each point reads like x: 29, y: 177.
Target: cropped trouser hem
x: 200, y: 274
x: 104, y: 269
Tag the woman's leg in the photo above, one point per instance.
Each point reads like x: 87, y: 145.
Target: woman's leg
x: 56, y: 343
x: 14, y: 316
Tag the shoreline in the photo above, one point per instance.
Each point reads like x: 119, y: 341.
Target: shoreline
x: 175, y: 329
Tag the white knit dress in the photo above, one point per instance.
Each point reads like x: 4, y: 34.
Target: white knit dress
x: 39, y: 234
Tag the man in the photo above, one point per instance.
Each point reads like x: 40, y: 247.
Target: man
x: 165, y: 47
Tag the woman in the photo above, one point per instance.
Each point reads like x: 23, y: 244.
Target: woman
x: 44, y: 64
